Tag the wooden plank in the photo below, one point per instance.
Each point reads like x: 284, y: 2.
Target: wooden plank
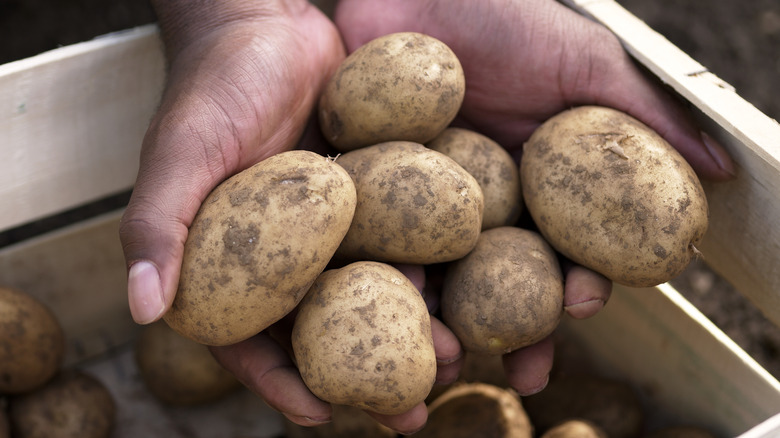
x: 688, y: 368
x: 72, y: 122
x: 79, y: 272
x: 743, y: 242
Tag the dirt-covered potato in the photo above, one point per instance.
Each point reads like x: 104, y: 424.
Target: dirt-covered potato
x: 505, y: 294
x: 362, y: 338
x: 401, y: 86
x: 346, y: 422
x: 178, y: 370
x: 414, y: 205
x: 494, y: 169
x: 32, y: 343
x: 477, y: 409
x: 257, y: 243
x: 575, y: 428
x: 72, y: 404
x: 610, y: 404
x: 612, y: 195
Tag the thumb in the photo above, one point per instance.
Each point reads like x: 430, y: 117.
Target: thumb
x: 170, y: 187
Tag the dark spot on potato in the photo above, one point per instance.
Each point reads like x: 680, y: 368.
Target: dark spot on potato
x: 239, y: 196
x: 240, y: 242
x: 660, y: 251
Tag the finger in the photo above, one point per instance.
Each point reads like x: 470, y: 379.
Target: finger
x: 586, y: 292
x: 266, y: 369
x: 153, y: 229
x: 528, y: 369
x: 407, y: 423
x: 449, y: 354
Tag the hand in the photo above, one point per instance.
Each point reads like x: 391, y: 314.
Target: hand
x: 525, y: 61
x: 243, y: 80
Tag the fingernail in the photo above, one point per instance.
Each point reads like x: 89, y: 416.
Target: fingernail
x: 534, y: 389
x: 585, y: 309
x: 718, y: 154
x: 145, y: 294
x: 306, y: 421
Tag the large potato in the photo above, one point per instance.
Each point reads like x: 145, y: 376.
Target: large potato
x: 505, y: 294
x: 401, y: 86
x: 492, y: 166
x: 256, y: 245
x: 612, y: 195
x: 362, y: 338
x: 32, y: 343
x: 414, y: 205
x: 178, y: 370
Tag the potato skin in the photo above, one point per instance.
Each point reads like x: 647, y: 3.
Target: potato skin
x: 178, y: 370
x: 494, y: 169
x: 32, y: 343
x: 414, y: 205
x: 505, y: 294
x: 402, y: 86
x: 362, y: 338
x: 72, y: 404
x: 258, y: 242
x: 575, y: 428
x: 612, y: 195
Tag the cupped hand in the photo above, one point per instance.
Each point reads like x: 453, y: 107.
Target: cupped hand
x: 525, y: 61
x: 243, y: 79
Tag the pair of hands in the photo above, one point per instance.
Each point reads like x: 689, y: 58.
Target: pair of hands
x: 244, y: 78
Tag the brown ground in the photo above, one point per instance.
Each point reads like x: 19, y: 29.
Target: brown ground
x: 738, y: 40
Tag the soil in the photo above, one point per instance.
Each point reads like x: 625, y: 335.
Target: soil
x: 737, y: 40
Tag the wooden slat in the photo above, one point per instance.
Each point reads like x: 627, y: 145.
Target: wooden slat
x: 72, y: 120
x: 743, y: 242
x: 689, y: 369
x: 79, y: 272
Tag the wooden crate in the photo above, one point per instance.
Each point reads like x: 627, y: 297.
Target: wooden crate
x: 71, y: 126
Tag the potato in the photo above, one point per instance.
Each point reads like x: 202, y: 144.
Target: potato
x: 612, y: 195
x: 258, y: 242
x: 610, y: 404
x: 346, y: 422
x: 575, y: 428
x: 32, y: 343
x: 362, y: 338
x: 681, y: 432
x: 504, y: 295
x: 414, y: 205
x: 494, y: 169
x: 402, y: 86
x: 72, y: 404
x: 178, y: 370
x: 477, y: 409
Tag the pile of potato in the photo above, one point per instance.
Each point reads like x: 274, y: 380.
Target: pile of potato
x: 323, y: 236
x: 42, y: 397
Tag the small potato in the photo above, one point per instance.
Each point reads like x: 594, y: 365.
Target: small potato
x: 414, y: 205
x: 612, y: 195
x: 505, y: 294
x: 256, y: 245
x: 32, y: 343
x: 681, y: 432
x: 402, y: 86
x: 575, y: 429
x: 610, y: 404
x: 362, y: 338
x: 72, y: 404
x: 494, y: 169
x: 477, y: 410
x: 178, y: 370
